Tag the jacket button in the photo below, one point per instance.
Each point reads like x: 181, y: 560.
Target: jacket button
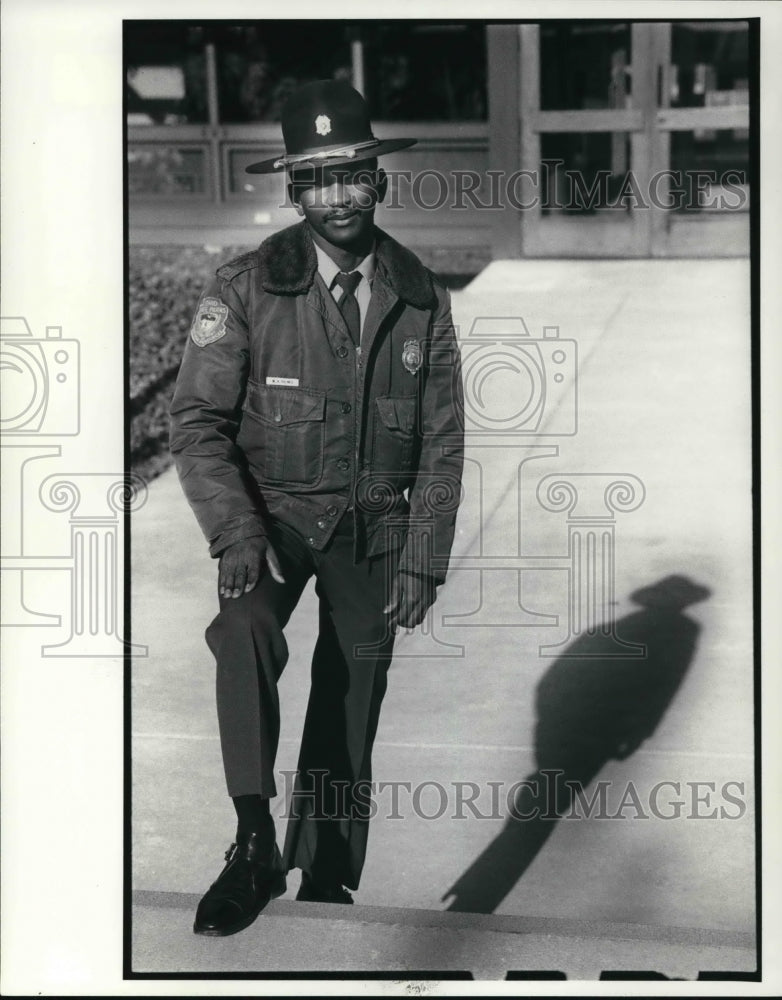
x: 342, y: 352
x: 343, y: 464
x: 311, y: 541
x: 331, y: 510
x: 346, y: 407
x: 321, y: 525
x: 277, y: 417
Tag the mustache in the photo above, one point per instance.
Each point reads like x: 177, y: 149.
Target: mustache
x: 359, y: 203
x: 341, y: 213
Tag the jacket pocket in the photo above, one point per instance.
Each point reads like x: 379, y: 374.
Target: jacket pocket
x: 284, y: 436
x: 394, y: 437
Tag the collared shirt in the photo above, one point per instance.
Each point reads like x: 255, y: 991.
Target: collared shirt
x: 328, y: 270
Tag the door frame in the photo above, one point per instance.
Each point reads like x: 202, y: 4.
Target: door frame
x: 517, y: 123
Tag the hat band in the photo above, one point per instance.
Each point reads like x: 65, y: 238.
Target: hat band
x: 346, y: 151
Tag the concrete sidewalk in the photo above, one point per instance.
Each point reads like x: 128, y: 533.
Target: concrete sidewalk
x: 662, y: 396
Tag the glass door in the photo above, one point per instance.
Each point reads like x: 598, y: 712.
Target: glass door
x: 703, y: 125
x: 585, y: 91
x: 634, y: 139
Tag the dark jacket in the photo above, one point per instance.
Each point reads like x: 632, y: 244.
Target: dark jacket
x: 344, y: 428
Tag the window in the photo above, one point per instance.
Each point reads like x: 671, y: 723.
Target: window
x: 583, y: 64
x: 259, y: 65
x: 710, y: 69
x: 417, y: 71
x: 155, y: 168
x: 412, y: 70
x: 166, y: 73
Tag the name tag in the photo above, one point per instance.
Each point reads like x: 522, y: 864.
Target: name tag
x: 273, y: 380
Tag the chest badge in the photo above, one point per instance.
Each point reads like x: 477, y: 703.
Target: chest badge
x: 209, y: 323
x: 323, y: 124
x: 412, y: 358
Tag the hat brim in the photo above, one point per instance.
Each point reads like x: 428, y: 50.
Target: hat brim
x: 673, y: 592
x: 278, y: 163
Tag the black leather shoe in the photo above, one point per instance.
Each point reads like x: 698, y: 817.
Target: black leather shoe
x: 312, y: 892
x: 252, y: 876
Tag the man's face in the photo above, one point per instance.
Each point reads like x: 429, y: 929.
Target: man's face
x: 339, y: 201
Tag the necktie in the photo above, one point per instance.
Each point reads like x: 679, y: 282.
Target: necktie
x: 348, y: 305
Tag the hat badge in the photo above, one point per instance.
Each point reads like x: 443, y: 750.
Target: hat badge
x: 323, y: 124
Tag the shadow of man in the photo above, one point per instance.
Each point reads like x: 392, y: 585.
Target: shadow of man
x: 591, y: 708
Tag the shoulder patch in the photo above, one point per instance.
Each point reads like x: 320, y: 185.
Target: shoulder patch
x: 209, y: 322
x: 243, y: 263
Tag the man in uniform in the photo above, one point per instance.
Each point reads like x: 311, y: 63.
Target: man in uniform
x: 317, y: 431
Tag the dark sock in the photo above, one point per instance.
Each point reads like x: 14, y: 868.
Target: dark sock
x: 252, y: 814
x: 323, y: 880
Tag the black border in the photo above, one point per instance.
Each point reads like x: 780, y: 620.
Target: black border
x: 127, y: 717
x: 754, y: 72
x: 754, y: 280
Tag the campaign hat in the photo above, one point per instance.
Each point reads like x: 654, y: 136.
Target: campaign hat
x: 671, y: 593
x: 326, y: 123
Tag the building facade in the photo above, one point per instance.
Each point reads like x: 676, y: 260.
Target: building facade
x: 549, y: 139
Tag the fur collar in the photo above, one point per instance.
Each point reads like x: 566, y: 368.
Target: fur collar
x: 287, y: 265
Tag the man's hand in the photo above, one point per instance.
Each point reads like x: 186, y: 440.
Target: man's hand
x: 241, y: 565
x: 411, y: 598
